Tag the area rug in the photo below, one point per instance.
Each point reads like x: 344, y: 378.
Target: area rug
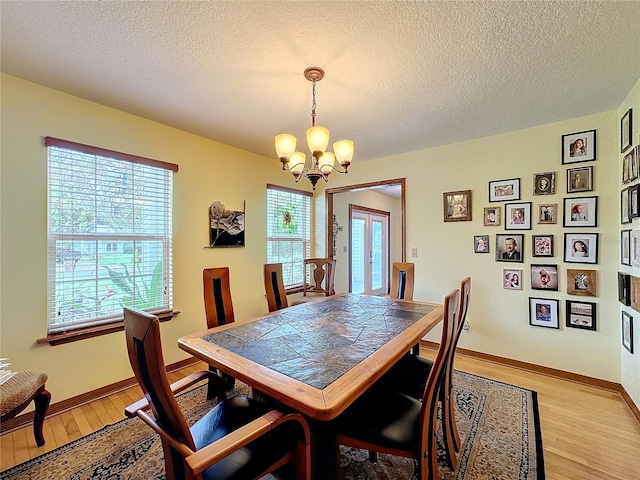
x: 498, y: 424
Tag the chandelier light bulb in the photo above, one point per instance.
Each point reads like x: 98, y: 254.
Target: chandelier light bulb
x: 318, y: 139
x: 343, y: 150
x: 325, y: 164
x: 285, y: 145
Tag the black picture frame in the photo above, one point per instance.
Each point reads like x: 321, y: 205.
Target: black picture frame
x: 580, y: 212
x: 581, y: 314
x: 542, y: 245
x: 626, y: 129
x: 543, y: 312
x: 585, y: 252
x: 624, y: 289
x: 634, y: 201
x: 627, y: 332
x: 502, y: 254
x: 504, y: 190
x: 579, y: 147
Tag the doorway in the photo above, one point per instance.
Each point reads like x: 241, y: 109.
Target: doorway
x: 393, y: 187
x: 369, y: 250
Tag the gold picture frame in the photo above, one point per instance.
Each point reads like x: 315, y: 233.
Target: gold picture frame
x: 457, y: 206
x: 581, y: 282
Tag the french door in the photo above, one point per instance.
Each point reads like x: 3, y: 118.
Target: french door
x: 369, y: 252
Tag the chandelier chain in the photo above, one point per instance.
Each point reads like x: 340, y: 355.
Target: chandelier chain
x: 313, y: 105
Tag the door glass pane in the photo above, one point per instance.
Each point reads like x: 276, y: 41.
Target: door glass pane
x: 376, y: 255
x: 357, y: 255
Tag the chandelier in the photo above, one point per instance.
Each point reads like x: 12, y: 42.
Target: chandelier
x: 322, y: 162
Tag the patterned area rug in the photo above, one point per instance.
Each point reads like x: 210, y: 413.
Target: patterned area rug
x: 498, y: 424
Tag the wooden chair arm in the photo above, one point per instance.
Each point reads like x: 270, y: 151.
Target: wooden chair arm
x: 176, y: 387
x: 184, y: 450
x: 216, y: 451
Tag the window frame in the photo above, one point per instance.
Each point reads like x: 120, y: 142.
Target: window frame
x: 98, y: 325
x: 294, y: 287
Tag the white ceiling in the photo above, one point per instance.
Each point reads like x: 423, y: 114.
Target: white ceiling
x: 400, y: 76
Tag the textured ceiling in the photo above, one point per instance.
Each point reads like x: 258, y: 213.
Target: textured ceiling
x: 400, y: 76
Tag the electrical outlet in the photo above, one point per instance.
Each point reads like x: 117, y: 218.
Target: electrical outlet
x: 466, y: 326
x: 414, y: 253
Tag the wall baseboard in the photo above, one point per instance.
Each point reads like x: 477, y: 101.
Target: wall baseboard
x: 73, y: 402
x: 552, y: 372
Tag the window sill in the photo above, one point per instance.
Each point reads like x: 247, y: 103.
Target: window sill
x: 294, y: 289
x: 90, y: 332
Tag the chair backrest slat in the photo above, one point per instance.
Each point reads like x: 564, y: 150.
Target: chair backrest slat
x: 322, y: 274
x: 402, y: 279
x: 274, y: 287
x: 218, y: 305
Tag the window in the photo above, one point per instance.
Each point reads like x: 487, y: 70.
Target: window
x: 109, y: 236
x: 288, y: 231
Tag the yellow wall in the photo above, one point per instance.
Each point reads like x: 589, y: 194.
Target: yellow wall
x: 630, y: 363
x: 209, y: 171
x: 499, y: 318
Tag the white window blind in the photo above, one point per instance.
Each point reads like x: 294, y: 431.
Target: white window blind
x: 109, y: 236
x: 288, y: 231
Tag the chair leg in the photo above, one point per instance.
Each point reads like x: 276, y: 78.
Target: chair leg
x: 41, y: 401
x: 416, y: 349
x: 373, y: 456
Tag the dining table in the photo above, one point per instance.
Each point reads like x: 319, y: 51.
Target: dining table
x: 319, y: 357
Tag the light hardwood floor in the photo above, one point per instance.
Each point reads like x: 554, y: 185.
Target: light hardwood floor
x: 587, y: 432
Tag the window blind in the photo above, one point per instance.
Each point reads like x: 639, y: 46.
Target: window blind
x: 288, y: 231
x: 109, y: 235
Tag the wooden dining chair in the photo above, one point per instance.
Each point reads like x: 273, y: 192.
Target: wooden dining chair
x: 388, y: 421
x: 239, y: 438
x: 218, y: 308
x: 274, y: 287
x: 402, y: 275
x: 321, y: 272
x: 410, y: 376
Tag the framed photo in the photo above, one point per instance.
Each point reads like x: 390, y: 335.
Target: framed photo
x: 633, y: 201
x: 544, y: 277
x: 579, y: 147
x: 547, y: 213
x: 581, y: 315
x: 512, y: 279
x: 543, y: 312
x: 542, y: 245
x: 581, y: 212
x: 627, y: 331
x: 624, y: 289
x: 544, y: 183
x: 481, y: 244
x: 635, y: 293
x: 580, y: 179
x: 625, y: 247
x: 624, y: 206
x: 581, y: 247
x: 504, y: 190
x: 630, y: 167
x: 581, y: 282
x: 509, y: 248
x: 517, y: 216
x: 457, y: 206
x: 626, y: 127
x: 492, y: 216
x: 634, y: 248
